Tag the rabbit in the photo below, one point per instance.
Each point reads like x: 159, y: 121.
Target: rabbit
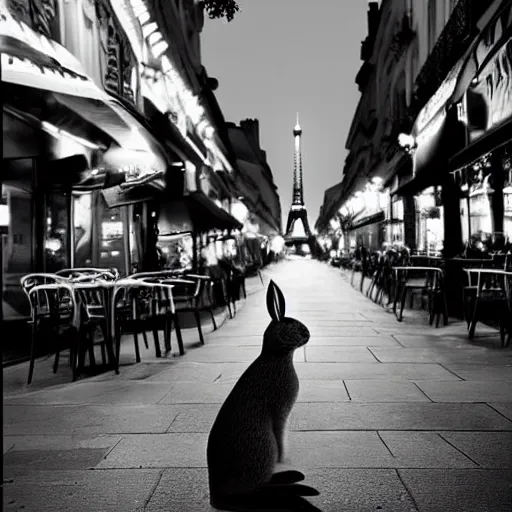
x: 247, y: 438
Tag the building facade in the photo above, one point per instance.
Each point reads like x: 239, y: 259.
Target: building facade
x: 115, y: 151
x: 446, y: 109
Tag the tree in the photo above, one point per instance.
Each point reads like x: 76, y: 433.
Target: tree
x: 221, y: 8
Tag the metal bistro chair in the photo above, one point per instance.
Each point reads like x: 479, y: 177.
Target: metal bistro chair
x: 374, y: 272
x: 187, y: 298
x: 135, y: 311
x: 492, y: 294
x: 94, y: 307
x: 53, y: 307
x: 165, y: 294
x: 470, y: 284
x: 426, y: 281
x: 205, y: 300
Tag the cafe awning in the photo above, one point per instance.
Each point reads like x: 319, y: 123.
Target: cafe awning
x: 44, y: 80
x: 194, y: 212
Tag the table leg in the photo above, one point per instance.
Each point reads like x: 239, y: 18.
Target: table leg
x: 110, y: 317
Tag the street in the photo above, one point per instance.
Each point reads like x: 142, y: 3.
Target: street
x: 391, y: 416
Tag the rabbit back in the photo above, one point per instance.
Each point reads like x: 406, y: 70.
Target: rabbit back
x: 242, y: 449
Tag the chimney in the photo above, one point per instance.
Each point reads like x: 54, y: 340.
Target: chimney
x: 373, y: 19
x: 252, y: 127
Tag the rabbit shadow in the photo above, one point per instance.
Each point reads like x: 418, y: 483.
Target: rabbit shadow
x: 281, y: 494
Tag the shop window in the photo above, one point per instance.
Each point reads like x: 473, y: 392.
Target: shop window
x: 56, y: 241
x: 176, y: 251
x: 83, y: 230
x: 430, y: 227
x: 17, y: 247
x: 113, y: 238
x: 136, y: 214
x: 507, y: 222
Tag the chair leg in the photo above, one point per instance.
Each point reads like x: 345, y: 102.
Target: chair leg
x: 90, y: 346
x: 431, y: 306
x: 261, y: 278
x: 156, y: 340
x: 199, y: 329
x: 145, y: 338
x: 57, y: 356
x: 103, y: 354
x: 137, y: 350
x: 32, y: 353
x: 178, y: 334
x: 213, y: 318
x: 474, y: 321
x: 445, y: 308
x: 167, y: 334
x: 117, y: 338
x: 402, y: 304
x: 243, y: 288
x: 74, y: 352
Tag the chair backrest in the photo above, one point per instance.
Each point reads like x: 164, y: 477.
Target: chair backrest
x: 51, y: 299
x: 158, y: 274
x: 92, y: 298
x: 30, y: 280
x: 431, y: 277
x: 109, y: 274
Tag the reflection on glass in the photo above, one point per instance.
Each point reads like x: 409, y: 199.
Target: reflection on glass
x: 176, y: 251
x: 135, y: 232
x: 82, y: 207
x: 112, y: 239
x: 56, y: 233
x: 16, y: 248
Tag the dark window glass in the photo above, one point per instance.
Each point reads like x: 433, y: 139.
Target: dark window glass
x: 56, y: 242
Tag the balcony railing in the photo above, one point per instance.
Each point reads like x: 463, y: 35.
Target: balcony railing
x: 453, y: 42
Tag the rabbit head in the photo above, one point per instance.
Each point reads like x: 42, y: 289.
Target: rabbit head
x: 283, y: 335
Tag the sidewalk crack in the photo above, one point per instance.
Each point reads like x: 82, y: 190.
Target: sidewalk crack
x: 407, y: 489
x: 153, y: 489
x: 370, y: 350
x: 172, y: 422
x: 112, y: 448
x: 458, y: 449
x: 346, y: 389
x: 423, y: 392
x: 217, y: 378
x: 451, y: 371
x: 496, y: 410
x: 385, y: 444
x: 401, y: 344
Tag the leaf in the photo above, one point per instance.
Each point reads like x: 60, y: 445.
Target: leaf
x: 275, y: 302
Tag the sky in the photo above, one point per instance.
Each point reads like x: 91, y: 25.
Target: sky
x: 278, y: 57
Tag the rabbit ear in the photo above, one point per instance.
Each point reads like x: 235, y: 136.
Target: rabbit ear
x: 275, y: 302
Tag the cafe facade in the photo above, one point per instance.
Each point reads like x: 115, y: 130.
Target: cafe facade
x: 95, y: 143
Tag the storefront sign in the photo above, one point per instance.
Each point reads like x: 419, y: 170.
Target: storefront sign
x: 438, y: 100
x: 489, y: 99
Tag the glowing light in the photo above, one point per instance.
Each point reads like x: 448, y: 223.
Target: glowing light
x: 406, y: 141
x: 5, y: 215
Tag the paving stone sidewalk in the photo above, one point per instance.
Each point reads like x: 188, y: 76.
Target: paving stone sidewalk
x: 391, y: 416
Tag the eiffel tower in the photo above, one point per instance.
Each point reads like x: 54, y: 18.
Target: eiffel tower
x: 302, y: 239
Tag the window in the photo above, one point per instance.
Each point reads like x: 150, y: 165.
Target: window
x: 83, y: 235
x: 56, y: 243
x: 17, y: 247
x: 432, y: 14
